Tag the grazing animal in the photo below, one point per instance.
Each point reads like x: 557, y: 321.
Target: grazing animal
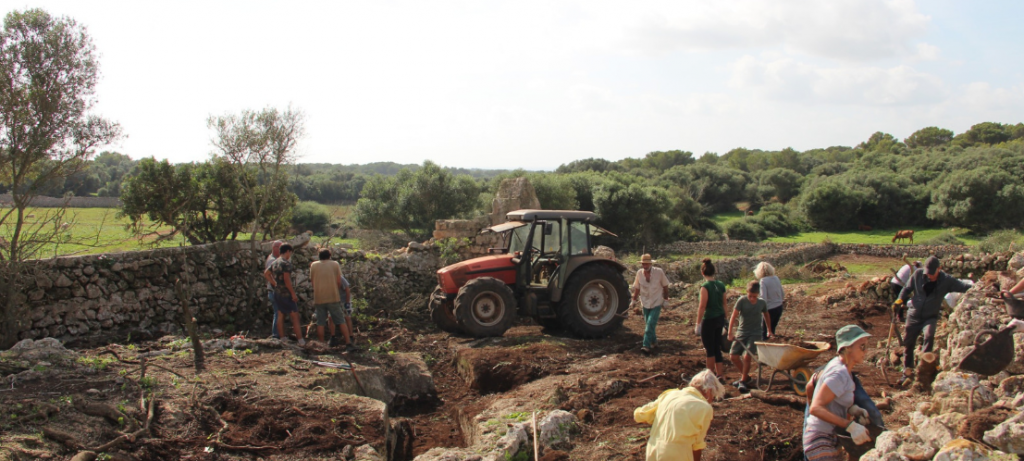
x: 750, y: 212
x: 65, y: 226
x: 863, y: 227
x: 903, y: 235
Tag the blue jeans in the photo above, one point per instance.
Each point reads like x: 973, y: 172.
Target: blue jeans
x: 650, y: 322
x: 273, y: 326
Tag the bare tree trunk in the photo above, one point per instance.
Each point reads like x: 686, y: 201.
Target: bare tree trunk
x: 190, y: 325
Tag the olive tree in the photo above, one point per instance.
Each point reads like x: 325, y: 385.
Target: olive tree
x: 49, y: 69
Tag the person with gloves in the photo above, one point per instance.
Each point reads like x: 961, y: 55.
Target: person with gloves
x: 832, y: 400
x: 680, y: 419
x: 929, y: 286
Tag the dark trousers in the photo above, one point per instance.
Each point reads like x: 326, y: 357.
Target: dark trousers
x: 915, y: 326
x: 711, y: 337
x: 774, y: 315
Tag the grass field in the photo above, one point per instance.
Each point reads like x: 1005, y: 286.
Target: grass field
x: 877, y: 236
x: 93, y: 231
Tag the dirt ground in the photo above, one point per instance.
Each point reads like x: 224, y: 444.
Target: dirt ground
x: 266, y: 404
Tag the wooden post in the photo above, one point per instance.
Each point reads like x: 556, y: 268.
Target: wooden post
x: 927, y: 369
x: 190, y: 325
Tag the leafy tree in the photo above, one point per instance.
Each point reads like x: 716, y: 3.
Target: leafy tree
x: 204, y: 202
x: 929, y: 137
x: 310, y: 216
x: 783, y: 183
x: 984, y: 133
x: 260, y: 146
x: 719, y: 187
x: 980, y: 199
x: 880, y: 142
x: 635, y: 213
x: 413, y: 201
x: 831, y: 204
x: 663, y: 160
x: 599, y: 165
x: 744, y: 229
x: 49, y: 70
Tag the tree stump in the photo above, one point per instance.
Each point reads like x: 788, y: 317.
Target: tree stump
x: 927, y: 369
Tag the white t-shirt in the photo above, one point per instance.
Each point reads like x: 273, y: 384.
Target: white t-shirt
x: 840, y: 382
x: 903, y: 275
x: 651, y: 292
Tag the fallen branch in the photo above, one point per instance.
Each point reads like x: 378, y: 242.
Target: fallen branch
x: 106, y: 411
x: 66, y: 439
x: 129, y: 437
x: 778, y: 399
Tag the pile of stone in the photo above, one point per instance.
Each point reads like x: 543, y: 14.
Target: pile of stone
x: 963, y: 409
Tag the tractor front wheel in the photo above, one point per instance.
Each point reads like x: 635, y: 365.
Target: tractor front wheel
x: 485, y: 307
x: 442, y: 314
x: 594, y: 301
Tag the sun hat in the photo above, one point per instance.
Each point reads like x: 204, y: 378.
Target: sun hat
x: 848, y: 335
x: 932, y: 265
x: 646, y: 259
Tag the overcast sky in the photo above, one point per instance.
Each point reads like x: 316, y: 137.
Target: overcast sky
x: 534, y: 84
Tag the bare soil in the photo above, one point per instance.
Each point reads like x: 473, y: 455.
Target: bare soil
x: 263, y: 405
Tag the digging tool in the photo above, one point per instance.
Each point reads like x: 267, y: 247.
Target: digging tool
x: 342, y: 366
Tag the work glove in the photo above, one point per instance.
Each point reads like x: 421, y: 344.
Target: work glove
x: 348, y: 308
x: 697, y: 329
x: 859, y: 414
x: 859, y: 433
x: 896, y: 306
x: 1017, y: 324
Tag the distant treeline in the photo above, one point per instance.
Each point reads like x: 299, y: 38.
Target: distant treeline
x: 973, y: 179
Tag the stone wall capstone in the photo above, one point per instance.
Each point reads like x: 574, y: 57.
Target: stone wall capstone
x: 102, y: 298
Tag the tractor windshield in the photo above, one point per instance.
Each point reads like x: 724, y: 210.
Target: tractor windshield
x: 517, y: 239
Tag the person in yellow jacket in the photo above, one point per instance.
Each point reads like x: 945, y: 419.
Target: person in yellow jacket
x: 680, y: 419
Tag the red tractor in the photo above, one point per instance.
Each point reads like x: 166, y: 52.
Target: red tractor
x: 545, y: 270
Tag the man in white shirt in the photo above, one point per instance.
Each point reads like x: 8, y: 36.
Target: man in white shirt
x: 651, y: 288
x: 901, y: 279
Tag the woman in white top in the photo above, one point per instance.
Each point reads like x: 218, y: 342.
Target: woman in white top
x: 772, y: 294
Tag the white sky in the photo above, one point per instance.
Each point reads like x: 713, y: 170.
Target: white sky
x: 534, y: 84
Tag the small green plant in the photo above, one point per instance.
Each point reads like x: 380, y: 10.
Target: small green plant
x: 519, y: 416
x: 96, y: 362
x: 148, y: 382
x: 522, y: 455
x: 800, y: 332
x: 179, y: 343
x: 449, y: 249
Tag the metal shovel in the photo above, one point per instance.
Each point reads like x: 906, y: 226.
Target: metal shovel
x: 993, y: 355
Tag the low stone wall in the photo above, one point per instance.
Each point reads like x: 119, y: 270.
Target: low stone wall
x: 688, y: 270
x: 897, y: 251
x: 102, y: 297
x: 470, y: 242
x: 732, y: 247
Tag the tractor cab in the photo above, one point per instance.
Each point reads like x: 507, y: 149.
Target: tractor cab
x: 540, y: 262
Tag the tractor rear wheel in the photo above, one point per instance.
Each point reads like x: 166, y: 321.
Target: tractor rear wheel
x: 485, y: 307
x: 594, y: 300
x: 442, y: 314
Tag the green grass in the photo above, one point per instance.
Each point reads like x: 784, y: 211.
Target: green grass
x: 877, y: 236
x: 722, y: 218
x: 93, y: 231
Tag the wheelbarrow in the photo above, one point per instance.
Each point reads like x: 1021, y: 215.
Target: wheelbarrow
x: 991, y: 356
x: 789, y: 360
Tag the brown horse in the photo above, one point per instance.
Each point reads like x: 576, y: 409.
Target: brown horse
x: 902, y: 235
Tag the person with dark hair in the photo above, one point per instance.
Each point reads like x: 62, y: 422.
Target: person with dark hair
x: 325, y: 275
x: 929, y: 287
x: 711, y: 318
x: 279, y: 275
x: 750, y: 311
x: 275, y: 252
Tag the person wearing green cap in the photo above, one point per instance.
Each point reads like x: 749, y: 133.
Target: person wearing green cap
x: 832, y: 404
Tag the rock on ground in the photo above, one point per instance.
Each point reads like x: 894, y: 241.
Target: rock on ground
x: 1008, y: 436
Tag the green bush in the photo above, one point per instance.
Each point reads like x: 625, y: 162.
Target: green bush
x: 1001, y: 241
x: 310, y: 216
x: 744, y: 229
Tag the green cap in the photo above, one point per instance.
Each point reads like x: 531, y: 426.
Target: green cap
x: 848, y: 335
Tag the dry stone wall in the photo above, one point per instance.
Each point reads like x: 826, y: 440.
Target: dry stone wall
x: 101, y: 298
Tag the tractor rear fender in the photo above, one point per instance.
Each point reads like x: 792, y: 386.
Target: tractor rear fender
x: 577, y: 262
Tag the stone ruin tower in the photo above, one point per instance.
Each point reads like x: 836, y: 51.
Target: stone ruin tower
x: 513, y: 194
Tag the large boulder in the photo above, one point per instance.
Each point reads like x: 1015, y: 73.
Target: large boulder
x: 513, y: 194
x: 1008, y: 436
